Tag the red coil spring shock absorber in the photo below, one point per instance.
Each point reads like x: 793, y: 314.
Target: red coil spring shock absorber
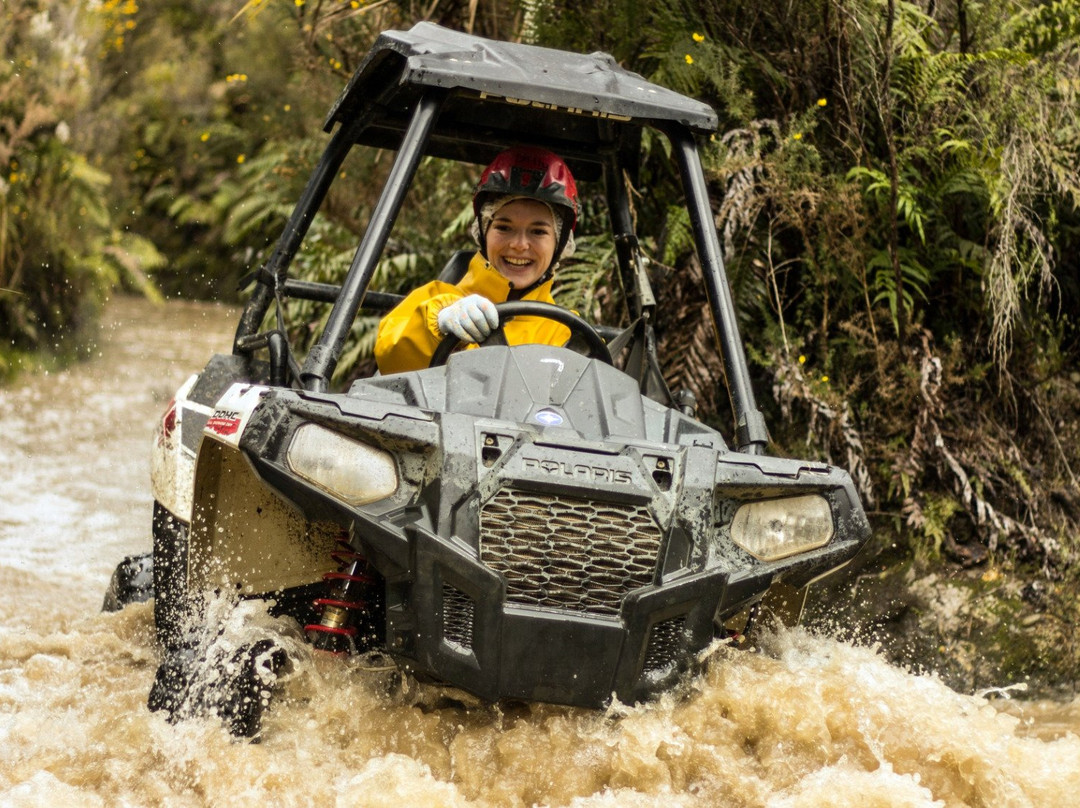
x: 336, y: 630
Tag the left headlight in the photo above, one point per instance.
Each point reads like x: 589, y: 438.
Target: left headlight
x: 775, y: 528
x: 348, y: 469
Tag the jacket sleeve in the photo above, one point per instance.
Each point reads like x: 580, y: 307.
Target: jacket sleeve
x: 409, y: 334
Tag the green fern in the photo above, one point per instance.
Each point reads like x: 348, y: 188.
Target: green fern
x: 580, y: 281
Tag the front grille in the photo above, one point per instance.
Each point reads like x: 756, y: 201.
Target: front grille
x: 566, y: 553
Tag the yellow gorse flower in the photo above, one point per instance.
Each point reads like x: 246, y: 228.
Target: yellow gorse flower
x: 689, y: 59
x: 699, y: 37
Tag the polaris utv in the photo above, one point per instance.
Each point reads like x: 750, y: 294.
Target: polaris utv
x: 527, y: 522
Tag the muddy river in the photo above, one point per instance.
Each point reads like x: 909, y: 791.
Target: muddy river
x: 804, y: 721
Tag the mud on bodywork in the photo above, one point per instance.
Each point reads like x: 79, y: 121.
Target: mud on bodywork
x: 556, y: 562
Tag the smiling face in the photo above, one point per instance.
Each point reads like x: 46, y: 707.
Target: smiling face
x: 521, y: 241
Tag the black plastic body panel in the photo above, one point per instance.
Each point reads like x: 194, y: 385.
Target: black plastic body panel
x: 457, y: 613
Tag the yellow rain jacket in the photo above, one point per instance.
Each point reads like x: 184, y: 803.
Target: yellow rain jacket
x: 409, y: 334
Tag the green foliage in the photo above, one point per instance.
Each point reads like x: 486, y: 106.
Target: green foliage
x: 896, y: 187
x: 937, y: 512
x: 883, y: 184
x: 580, y: 283
x: 61, y: 249
x: 1044, y: 27
x: 203, y: 104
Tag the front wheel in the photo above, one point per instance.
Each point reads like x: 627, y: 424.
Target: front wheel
x: 170, y: 577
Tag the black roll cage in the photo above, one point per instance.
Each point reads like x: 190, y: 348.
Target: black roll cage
x: 430, y: 91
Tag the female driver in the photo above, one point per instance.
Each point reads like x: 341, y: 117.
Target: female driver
x: 526, y: 210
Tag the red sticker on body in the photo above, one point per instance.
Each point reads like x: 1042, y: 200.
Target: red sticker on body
x: 224, y: 423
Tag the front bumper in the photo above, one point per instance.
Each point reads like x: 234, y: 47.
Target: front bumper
x: 504, y: 605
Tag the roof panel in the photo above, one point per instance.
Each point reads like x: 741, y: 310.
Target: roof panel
x: 593, y: 85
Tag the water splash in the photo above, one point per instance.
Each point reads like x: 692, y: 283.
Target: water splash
x: 803, y: 721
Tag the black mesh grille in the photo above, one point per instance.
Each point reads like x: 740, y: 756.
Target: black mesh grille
x: 665, y: 644
x: 566, y: 553
x: 458, y: 611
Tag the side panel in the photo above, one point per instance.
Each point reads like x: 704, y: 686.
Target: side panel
x: 244, y: 537
x: 172, y: 465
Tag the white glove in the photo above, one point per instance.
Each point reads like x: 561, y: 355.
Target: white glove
x: 470, y: 319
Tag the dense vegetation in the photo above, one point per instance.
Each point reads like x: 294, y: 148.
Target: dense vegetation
x: 896, y: 186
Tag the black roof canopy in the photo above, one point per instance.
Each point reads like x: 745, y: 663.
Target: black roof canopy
x: 502, y: 93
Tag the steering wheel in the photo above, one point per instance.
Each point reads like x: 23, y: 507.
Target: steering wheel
x: 597, y: 348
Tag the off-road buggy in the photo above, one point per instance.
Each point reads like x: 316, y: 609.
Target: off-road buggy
x: 528, y: 522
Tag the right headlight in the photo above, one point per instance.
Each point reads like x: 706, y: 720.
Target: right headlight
x: 348, y: 469
x: 776, y: 528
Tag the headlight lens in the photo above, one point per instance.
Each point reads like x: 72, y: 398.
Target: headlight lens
x: 347, y: 468
x: 776, y: 528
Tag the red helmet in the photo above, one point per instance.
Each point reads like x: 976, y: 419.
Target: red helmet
x: 535, y: 173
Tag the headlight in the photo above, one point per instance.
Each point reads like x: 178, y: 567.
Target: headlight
x: 776, y: 528
x: 347, y: 468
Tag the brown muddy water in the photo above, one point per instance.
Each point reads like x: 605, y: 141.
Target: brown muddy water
x: 802, y: 722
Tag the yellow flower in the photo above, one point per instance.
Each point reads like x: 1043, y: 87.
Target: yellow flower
x: 797, y: 136
x: 205, y: 136
x: 822, y: 102
x: 240, y: 158
x: 298, y: 3
x: 802, y: 359
x: 824, y: 378
x: 699, y: 37
x: 689, y: 59
x: 287, y: 107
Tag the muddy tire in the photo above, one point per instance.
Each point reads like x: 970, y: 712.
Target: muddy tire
x: 132, y: 582
x: 171, y: 601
